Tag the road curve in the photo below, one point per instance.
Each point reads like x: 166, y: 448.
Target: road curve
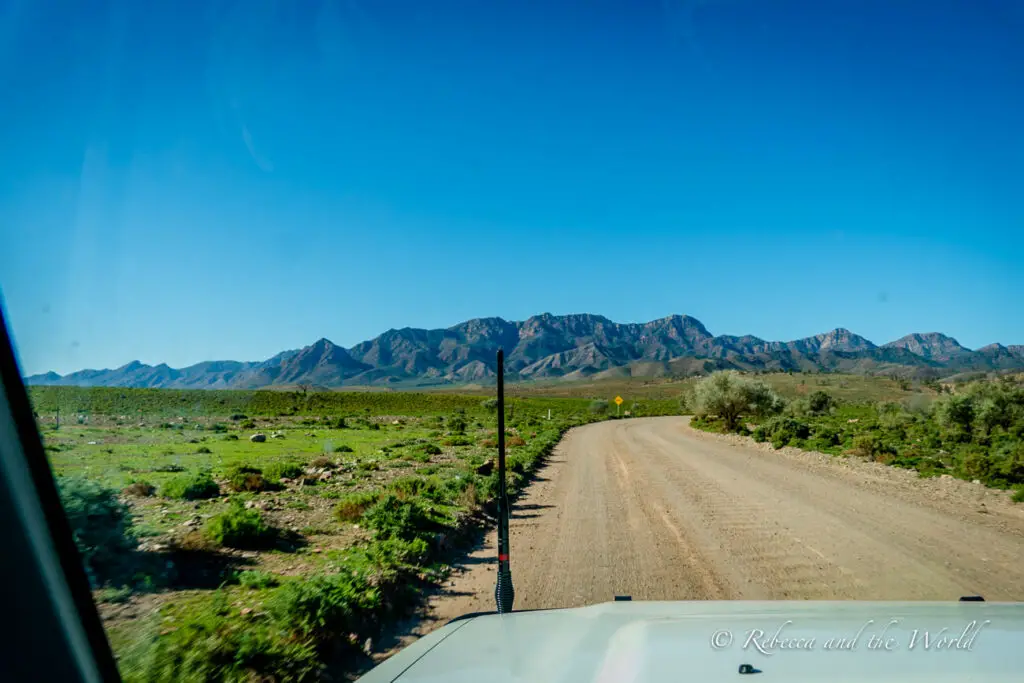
x: 654, y: 509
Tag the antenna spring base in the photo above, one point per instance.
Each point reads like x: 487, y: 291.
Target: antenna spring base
x: 504, y: 593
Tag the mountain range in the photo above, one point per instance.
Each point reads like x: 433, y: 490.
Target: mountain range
x: 557, y: 347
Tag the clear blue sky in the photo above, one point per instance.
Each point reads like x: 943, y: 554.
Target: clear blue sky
x: 205, y: 180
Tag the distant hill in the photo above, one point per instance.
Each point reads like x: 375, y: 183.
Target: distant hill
x: 550, y: 346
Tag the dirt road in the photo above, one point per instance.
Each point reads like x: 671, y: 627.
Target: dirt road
x: 654, y: 509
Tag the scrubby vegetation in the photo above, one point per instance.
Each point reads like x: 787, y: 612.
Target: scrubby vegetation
x: 975, y: 433
x: 287, y: 552
x: 101, y: 525
x: 729, y: 395
x: 238, y: 527
x: 285, y: 469
x: 246, y: 478
x: 194, y: 486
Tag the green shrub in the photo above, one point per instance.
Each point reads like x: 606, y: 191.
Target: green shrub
x: 955, y: 413
x: 457, y: 425
x: 248, y: 424
x: 230, y: 437
x: 112, y: 595
x: 598, y: 407
x: 101, y: 524
x: 728, y: 395
x: 785, y: 431
x: 351, y: 507
x: 431, y: 449
x: 976, y: 464
x: 212, y: 642
x: 393, y: 517
x: 342, y: 448
x: 257, y: 580
x: 490, y: 404
x: 866, y: 445
x: 1018, y: 496
x: 193, y: 486
x: 238, y: 527
x: 820, y: 402
x: 325, y: 606
x: 430, y: 487
x: 283, y: 469
x: 203, y: 450
x: 826, y: 436
x: 458, y: 441
x: 246, y: 478
x: 1009, y: 463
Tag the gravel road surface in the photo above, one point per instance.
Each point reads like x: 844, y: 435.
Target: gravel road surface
x: 654, y: 509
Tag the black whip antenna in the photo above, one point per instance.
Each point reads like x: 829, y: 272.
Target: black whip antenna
x: 504, y: 594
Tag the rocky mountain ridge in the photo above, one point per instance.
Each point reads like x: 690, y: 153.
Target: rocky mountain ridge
x: 550, y: 346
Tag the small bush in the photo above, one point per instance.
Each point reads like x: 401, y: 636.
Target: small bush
x: 820, y: 402
x: 785, y: 431
x: 257, y: 580
x: 490, y: 404
x: 114, y: 596
x: 169, y: 468
x: 342, y: 448
x: 457, y: 425
x: 194, y: 541
x: 230, y: 437
x: 956, y: 413
x: 431, y: 449
x: 469, y: 498
x: 351, y: 507
x: 393, y: 517
x: 202, y: 450
x: 101, y: 524
x: 458, y: 441
x: 191, y: 487
x: 238, y: 417
x: 214, y: 643
x: 325, y: 606
x: 238, y: 527
x: 248, y: 424
x: 599, y: 407
x: 283, y: 469
x: 826, y: 436
x: 515, y: 441
x: 245, y: 478
x: 139, y: 488
x: 1018, y: 496
x: 322, y: 462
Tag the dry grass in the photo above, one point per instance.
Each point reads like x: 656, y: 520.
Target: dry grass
x: 141, y: 489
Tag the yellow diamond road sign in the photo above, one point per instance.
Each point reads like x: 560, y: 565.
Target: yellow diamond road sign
x: 618, y: 400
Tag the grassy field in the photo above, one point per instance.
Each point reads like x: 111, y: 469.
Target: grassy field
x: 216, y: 557
x: 853, y: 388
